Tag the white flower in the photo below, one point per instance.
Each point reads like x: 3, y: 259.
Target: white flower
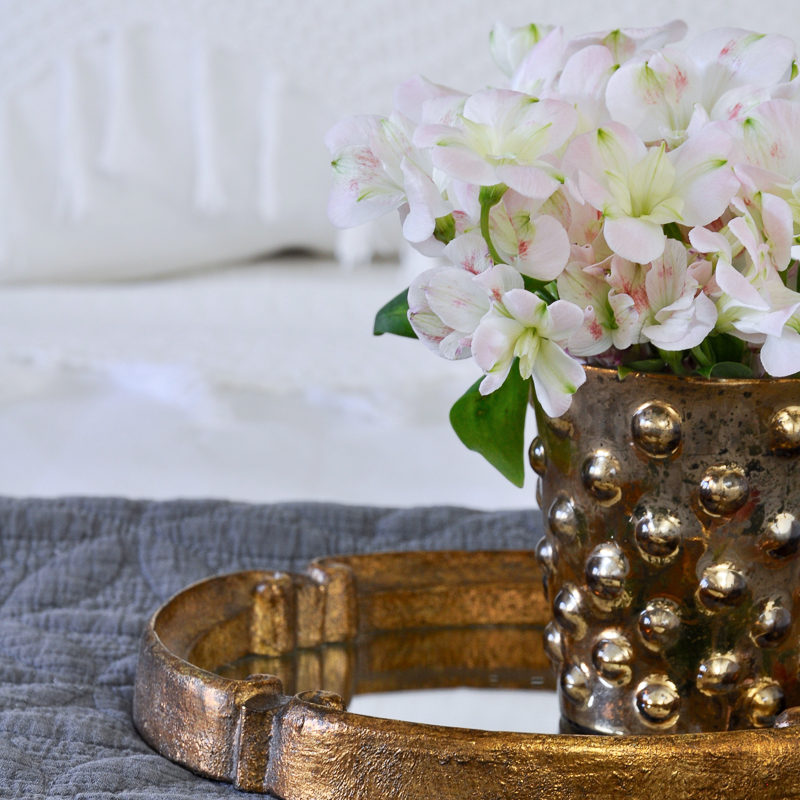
x: 503, y: 138
x: 720, y: 76
x: 523, y: 326
x: 376, y: 170
x: 509, y: 46
x: 609, y: 318
x: 639, y: 189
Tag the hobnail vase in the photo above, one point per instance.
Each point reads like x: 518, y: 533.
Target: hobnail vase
x: 671, y: 554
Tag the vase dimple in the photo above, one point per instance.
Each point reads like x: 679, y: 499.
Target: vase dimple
x: 657, y: 533
x: 568, y: 611
x: 606, y: 571
x: 537, y: 457
x: 612, y: 655
x: 575, y: 684
x: 772, y: 626
x: 601, y: 477
x: 724, y: 489
x: 656, y: 429
x: 763, y: 703
x: 658, y: 701
x: 781, y: 538
x: 659, y: 624
x: 722, y: 587
x: 718, y: 675
x: 784, y: 430
x: 563, y: 519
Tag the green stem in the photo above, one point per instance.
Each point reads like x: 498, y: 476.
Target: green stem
x: 490, y: 196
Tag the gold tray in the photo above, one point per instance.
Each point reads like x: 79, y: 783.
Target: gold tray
x: 232, y: 669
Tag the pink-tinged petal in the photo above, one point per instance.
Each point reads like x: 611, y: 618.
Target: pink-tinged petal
x: 494, y: 107
x: 776, y: 216
x: 754, y: 58
x: 469, y: 251
x: 528, y: 181
x: 417, y: 301
x: 351, y: 132
x: 430, y: 330
x: 425, y: 203
x: 624, y: 43
x: 431, y: 135
x: 464, y: 164
x: 562, y: 320
x: 539, y: 68
x: 666, y: 279
x: 411, y: 95
x: 705, y: 241
x: 780, y: 356
x: 584, y: 287
x: 627, y: 320
x: 455, y: 347
x: 510, y: 45
x: 557, y: 118
x: 593, y: 193
x: 543, y: 249
x: 526, y: 307
x: 756, y: 179
x: 444, y: 110
x: 592, y: 338
x: 498, y: 280
x: 465, y: 197
x: 655, y: 95
x: 637, y: 240
x: 493, y: 349
x: 361, y: 190
x: 679, y: 334
x: 586, y: 74
x: 769, y: 138
x: 737, y: 103
x: 734, y: 284
x: 612, y: 148
x: 454, y: 297
x: 556, y: 377
x: 705, y: 180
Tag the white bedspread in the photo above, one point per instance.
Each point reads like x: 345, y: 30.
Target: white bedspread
x: 259, y: 383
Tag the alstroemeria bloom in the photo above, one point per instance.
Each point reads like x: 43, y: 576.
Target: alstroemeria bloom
x: 446, y: 304
x: 769, y: 156
x: 609, y: 319
x: 523, y: 326
x: 639, y: 189
x: 509, y: 46
x: 625, y: 43
x: 679, y: 315
x: 503, y: 138
x: 376, y: 169
x: 720, y: 76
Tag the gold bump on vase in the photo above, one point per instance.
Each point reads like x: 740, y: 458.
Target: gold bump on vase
x: 657, y: 700
x: 724, y: 489
x: 781, y: 538
x: 575, y: 684
x: 660, y: 624
x: 563, y: 519
x: 772, y: 626
x: 657, y: 533
x: 606, y: 571
x: 545, y: 555
x: 553, y: 643
x: 656, y: 429
x: 718, y: 675
x: 568, y: 611
x: 612, y: 656
x: 722, y: 586
x: 763, y: 703
x: 784, y: 431
x: 601, y: 477
x: 537, y: 456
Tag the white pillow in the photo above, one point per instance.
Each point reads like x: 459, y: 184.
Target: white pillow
x: 141, y: 152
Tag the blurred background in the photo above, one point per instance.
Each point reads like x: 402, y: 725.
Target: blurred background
x: 177, y: 316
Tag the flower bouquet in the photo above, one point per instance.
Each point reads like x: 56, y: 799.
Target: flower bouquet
x: 621, y: 213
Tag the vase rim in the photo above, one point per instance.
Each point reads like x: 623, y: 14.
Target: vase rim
x: 672, y: 378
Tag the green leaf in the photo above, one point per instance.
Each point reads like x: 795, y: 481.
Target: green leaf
x: 393, y: 318
x: 494, y: 425
x: 731, y: 369
x: 532, y: 285
x: 727, y: 347
x: 674, y: 359
x: 672, y: 231
x: 648, y: 365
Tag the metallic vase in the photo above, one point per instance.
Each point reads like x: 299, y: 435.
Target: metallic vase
x: 671, y: 557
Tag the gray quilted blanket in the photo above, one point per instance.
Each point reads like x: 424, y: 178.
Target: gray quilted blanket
x: 80, y: 577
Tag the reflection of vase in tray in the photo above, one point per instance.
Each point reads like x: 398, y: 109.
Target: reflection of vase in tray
x: 671, y: 552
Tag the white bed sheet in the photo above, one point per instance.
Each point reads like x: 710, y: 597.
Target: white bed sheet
x: 261, y: 383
